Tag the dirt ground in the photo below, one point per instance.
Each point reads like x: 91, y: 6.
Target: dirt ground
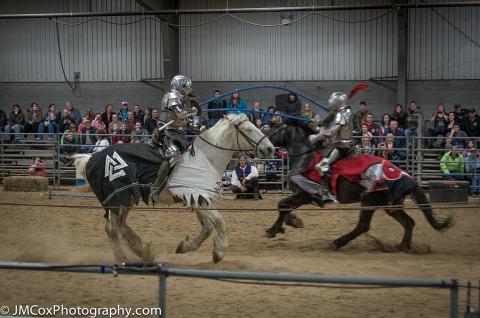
x: 76, y: 236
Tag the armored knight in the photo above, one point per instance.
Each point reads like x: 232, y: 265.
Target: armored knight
x: 335, y: 132
x: 178, y: 102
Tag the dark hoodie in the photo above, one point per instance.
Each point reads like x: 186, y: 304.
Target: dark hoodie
x: 292, y: 107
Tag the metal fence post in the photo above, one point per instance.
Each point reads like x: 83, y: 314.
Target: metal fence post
x: 162, y: 294
x: 454, y: 299
x: 2, y: 145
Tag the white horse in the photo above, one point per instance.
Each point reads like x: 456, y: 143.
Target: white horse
x: 196, y: 180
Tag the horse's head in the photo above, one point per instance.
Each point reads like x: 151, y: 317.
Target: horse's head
x: 248, y: 137
x: 293, y: 134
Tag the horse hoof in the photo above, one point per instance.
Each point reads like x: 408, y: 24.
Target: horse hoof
x: 148, y: 256
x: 294, y: 221
x: 217, y: 257
x: 403, y: 248
x: 331, y: 246
x: 180, y: 248
x: 269, y: 235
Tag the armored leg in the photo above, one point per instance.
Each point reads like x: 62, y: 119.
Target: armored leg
x: 160, y: 181
x: 323, y: 168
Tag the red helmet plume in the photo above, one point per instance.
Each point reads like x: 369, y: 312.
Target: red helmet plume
x: 356, y: 89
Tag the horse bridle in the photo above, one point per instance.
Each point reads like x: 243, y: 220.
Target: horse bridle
x: 250, y: 141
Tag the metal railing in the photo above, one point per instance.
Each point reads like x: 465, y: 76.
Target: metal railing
x: 164, y: 272
x: 16, y: 157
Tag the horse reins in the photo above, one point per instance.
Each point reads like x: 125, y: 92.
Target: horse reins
x: 250, y: 141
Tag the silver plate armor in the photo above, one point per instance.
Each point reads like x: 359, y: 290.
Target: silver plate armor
x: 336, y: 133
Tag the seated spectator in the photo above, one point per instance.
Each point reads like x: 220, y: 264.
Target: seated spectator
x: 471, y: 144
x: 371, y: 126
x: 217, y: 103
x: 122, y: 113
x: 245, y: 180
x: 450, y: 122
x: 102, y: 141
x: 130, y: 121
x: 236, y: 104
x: 472, y: 124
x: 37, y: 168
x: 3, y: 121
x: 122, y: 136
x: 114, y: 125
x: 256, y: 112
x: 292, y: 106
x: 472, y: 168
x: 266, y: 129
x: 139, y: 134
x: 75, y: 116
x: 457, y: 138
x: 69, y: 147
x: 400, y: 116
x: 65, y: 121
x: 452, y: 164
x: 89, y: 114
x: 148, y: 114
x: 50, y: 122
x: 98, y: 123
x: 138, y: 114
x: 33, y: 118
x: 358, y: 118
x: 307, y: 112
x: 267, y: 118
x: 460, y: 114
x: 388, y: 151
x: 107, y: 115
x: 152, y: 123
x: 439, y: 124
x: 87, y: 137
x: 414, y: 114
x: 16, y: 122
x: 259, y: 123
x: 399, y: 137
x: 276, y: 120
x: 384, y: 125
x: 73, y: 129
x: 366, y: 145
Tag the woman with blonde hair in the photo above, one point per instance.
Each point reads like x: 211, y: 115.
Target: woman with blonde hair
x: 307, y: 112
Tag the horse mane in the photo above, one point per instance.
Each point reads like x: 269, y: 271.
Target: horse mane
x: 213, y: 135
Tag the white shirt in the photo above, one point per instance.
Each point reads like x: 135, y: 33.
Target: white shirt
x: 253, y: 174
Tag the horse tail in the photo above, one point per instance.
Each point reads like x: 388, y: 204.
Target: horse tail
x: 419, y: 197
x: 80, y: 163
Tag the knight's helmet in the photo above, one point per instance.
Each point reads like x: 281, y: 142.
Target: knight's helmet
x: 182, y: 84
x: 337, y: 101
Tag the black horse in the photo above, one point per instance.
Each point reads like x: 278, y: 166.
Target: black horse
x: 295, y: 138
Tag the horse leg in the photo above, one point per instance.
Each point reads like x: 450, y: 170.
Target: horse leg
x: 112, y: 229
x: 285, y: 207
x: 134, y: 242
x: 220, y: 239
x: 408, y: 223
x: 207, y: 220
x: 362, y: 227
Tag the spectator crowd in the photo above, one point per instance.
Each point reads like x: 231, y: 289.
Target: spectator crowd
x: 456, y: 131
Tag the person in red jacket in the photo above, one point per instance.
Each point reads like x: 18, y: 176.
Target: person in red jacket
x: 37, y: 168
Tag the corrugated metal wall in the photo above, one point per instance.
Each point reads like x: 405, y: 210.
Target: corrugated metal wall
x: 100, y: 51
x: 444, y: 43
x: 315, y: 48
